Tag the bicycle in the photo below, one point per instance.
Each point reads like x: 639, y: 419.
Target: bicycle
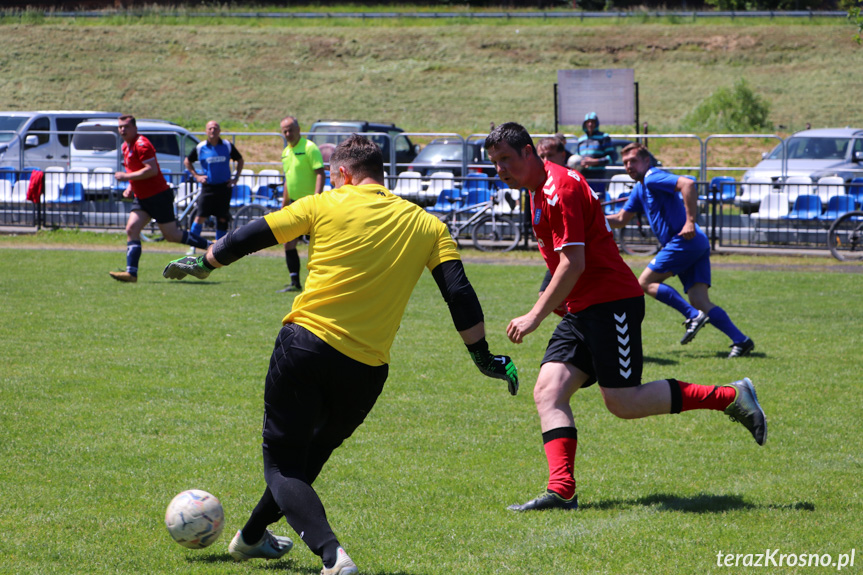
x: 184, y: 208
x: 845, y: 237
x: 634, y: 239
x: 488, y: 230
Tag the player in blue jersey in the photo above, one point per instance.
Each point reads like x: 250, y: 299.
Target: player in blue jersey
x: 670, y: 203
x: 215, y: 155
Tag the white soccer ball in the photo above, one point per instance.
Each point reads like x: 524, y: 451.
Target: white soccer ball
x: 195, y: 518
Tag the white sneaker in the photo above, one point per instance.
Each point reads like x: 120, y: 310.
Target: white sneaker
x: 269, y: 547
x: 191, y: 251
x: 343, y: 566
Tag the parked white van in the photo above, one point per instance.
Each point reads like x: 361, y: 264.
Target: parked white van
x: 98, y: 144
x: 42, y: 136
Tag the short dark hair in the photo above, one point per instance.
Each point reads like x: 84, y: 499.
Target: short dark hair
x: 513, y: 134
x: 128, y: 117
x: 553, y: 144
x: 639, y: 149
x: 362, y: 157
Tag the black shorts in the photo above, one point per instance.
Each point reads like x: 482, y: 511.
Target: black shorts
x: 314, y: 399
x: 159, y: 207
x: 215, y: 200
x: 604, y: 341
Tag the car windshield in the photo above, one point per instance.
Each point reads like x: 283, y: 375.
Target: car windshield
x: 812, y: 149
x: 9, y: 125
x: 96, y: 138
x: 443, y: 152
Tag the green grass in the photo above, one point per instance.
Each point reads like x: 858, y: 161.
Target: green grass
x: 115, y: 397
x: 425, y: 75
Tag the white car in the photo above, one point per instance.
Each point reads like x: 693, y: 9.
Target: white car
x: 98, y: 144
x: 811, y: 153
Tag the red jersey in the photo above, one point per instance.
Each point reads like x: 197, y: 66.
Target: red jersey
x: 566, y: 212
x: 133, y: 160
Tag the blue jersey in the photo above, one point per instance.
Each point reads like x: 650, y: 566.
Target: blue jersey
x: 658, y: 198
x: 216, y: 160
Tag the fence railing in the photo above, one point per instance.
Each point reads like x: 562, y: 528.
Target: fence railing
x: 778, y: 212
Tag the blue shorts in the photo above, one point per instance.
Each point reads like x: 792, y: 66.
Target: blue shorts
x: 687, y: 259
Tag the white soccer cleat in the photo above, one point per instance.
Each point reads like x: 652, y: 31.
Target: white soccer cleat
x: 269, y: 547
x: 343, y: 566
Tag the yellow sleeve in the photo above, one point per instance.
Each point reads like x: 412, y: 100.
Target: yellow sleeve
x: 292, y: 221
x: 444, y: 249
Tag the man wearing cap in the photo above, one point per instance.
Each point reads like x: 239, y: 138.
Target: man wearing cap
x: 596, y: 153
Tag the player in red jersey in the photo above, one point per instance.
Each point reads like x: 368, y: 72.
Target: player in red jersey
x: 599, y: 338
x: 154, y: 198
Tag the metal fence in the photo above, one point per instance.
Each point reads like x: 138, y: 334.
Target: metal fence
x: 734, y: 213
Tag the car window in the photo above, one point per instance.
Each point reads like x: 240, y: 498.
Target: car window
x: 812, y: 149
x: 858, y: 145
x: 96, y: 138
x: 441, y: 153
x: 189, y: 144
x: 9, y: 125
x: 41, y: 128
x: 165, y: 143
x: 402, y: 144
x: 65, y: 127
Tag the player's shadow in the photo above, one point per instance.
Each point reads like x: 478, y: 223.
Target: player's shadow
x: 660, y: 360
x: 282, y: 564
x: 701, y: 503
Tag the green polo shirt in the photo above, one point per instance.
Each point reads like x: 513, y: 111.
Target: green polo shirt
x: 300, y: 164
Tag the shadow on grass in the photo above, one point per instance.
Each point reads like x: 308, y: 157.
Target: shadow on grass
x: 282, y: 564
x: 660, y: 360
x: 702, y: 503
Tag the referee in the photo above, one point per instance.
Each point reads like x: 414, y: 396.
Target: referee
x: 215, y: 155
x: 367, y: 251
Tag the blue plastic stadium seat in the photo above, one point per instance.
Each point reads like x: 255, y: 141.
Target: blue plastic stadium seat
x: 807, y: 207
x: 837, y: 206
x: 72, y: 192
x: 240, y: 196
x: 724, y: 186
x: 855, y: 190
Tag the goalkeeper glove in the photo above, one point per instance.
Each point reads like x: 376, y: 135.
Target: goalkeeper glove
x: 497, y: 366
x: 189, y: 265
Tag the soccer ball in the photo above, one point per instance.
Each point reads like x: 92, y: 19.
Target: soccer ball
x: 195, y: 519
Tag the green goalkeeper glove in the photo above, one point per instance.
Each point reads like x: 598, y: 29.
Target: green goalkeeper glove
x: 497, y: 366
x: 189, y: 265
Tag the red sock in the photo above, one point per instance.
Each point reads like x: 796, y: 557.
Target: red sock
x: 560, y: 445
x: 687, y: 396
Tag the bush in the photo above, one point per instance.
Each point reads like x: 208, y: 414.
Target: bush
x: 730, y: 110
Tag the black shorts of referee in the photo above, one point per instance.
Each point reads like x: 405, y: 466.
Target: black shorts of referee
x: 603, y: 341
x: 215, y: 200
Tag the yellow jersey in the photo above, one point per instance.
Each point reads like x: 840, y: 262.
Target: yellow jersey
x: 367, y: 250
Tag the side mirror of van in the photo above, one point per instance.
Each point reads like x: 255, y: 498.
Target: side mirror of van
x: 858, y: 157
x: 31, y: 141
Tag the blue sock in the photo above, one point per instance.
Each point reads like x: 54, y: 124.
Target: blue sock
x: 192, y: 240
x: 133, y: 254
x: 220, y: 233
x: 723, y: 323
x: 669, y: 296
x: 196, y: 229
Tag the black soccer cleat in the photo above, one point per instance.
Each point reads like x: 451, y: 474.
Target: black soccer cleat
x: 693, y: 326
x: 742, y: 348
x: 548, y: 500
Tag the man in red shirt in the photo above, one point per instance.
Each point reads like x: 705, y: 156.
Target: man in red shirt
x: 599, y: 338
x: 154, y: 198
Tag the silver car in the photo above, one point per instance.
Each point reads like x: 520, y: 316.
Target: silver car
x: 813, y: 154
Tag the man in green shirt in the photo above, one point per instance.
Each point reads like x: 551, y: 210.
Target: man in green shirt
x: 304, y: 176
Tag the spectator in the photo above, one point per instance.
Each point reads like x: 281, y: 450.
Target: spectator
x: 596, y: 153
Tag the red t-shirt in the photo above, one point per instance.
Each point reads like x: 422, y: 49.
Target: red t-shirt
x: 133, y: 160
x: 566, y: 212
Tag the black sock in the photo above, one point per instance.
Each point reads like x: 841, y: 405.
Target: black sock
x: 292, y: 258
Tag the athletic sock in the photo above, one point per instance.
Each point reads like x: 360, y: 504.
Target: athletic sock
x: 560, y: 445
x: 292, y: 258
x: 220, y: 233
x: 670, y: 297
x: 192, y: 240
x: 195, y: 229
x: 688, y: 396
x: 133, y: 254
x: 720, y: 320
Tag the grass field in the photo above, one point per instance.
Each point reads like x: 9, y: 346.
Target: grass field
x: 115, y: 397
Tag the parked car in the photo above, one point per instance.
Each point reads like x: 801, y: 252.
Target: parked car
x: 448, y: 155
x: 813, y: 153
x: 42, y: 136
x: 97, y: 145
x: 328, y: 133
